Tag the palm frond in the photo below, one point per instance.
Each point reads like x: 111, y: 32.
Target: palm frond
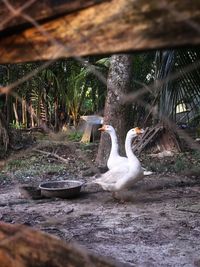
x: 185, y: 89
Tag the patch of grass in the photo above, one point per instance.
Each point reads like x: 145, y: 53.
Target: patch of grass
x: 75, y: 136
x: 188, y: 162
x: 182, y: 163
x: 39, y: 170
x: 32, y: 166
x: 16, y: 125
x: 85, y: 146
x: 19, y: 163
x: 196, y: 155
x: 24, y: 162
x: 160, y: 166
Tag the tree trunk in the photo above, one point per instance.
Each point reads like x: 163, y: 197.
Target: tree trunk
x: 31, y: 112
x: 4, y: 137
x: 56, y: 122
x: 8, y: 105
x: 116, y: 113
x: 24, y: 112
x: 15, y: 112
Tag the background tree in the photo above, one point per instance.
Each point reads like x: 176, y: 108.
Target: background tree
x: 4, y: 135
x: 116, y: 113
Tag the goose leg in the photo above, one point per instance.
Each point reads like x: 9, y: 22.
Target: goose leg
x: 116, y: 196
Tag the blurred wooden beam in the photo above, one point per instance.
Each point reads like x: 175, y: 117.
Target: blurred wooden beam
x: 22, y: 246
x: 109, y: 27
x: 39, y: 10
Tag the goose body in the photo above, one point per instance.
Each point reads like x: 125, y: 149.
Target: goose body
x: 115, y: 159
x: 125, y: 175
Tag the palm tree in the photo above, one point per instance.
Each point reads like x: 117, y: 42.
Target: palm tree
x: 174, y: 95
x: 185, y: 89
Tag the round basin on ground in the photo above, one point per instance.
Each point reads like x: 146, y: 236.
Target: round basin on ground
x: 62, y: 189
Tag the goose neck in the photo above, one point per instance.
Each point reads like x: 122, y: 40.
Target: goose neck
x: 114, y: 144
x: 129, y: 152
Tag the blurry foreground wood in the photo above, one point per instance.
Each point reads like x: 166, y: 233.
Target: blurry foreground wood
x: 49, y: 30
x: 21, y: 246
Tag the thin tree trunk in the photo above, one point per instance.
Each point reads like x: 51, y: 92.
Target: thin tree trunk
x: 56, y: 123
x: 8, y: 108
x: 15, y: 112
x: 116, y: 113
x: 24, y: 112
x: 31, y: 114
x: 4, y: 136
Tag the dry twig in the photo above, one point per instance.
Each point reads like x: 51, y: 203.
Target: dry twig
x: 52, y: 155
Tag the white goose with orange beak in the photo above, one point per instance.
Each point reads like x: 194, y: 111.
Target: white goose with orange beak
x: 125, y: 175
x: 115, y: 159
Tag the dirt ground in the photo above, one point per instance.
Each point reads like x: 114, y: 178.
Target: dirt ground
x: 157, y: 225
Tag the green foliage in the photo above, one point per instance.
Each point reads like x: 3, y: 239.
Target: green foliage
x: 187, y: 162
x: 185, y: 89
x: 75, y: 136
x: 15, y: 125
x: 70, y: 87
x: 86, y: 146
x: 16, y: 163
x: 104, y: 62
x: 143, y: 75
x: 182, y: 163
x: 76, y: 93
x: 29, y: 167
x: 143, y: 69
x: 65, y: 86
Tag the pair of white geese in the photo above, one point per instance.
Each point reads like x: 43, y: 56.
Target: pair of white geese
x: 123, y: 172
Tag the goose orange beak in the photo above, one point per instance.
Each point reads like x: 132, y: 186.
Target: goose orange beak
x: 139, y: 131
x: 102, y: 128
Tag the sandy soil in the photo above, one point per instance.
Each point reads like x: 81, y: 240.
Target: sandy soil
x: 158, y: 225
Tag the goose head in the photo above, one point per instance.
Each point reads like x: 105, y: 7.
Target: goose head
x: 135, y: 131
x: 107, y: 128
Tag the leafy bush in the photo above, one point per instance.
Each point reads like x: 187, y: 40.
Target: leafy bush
x: 75, y: 136
x: 15, y: 125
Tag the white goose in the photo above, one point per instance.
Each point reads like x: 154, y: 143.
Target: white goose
x: 124, y: 175
x: 115, y: 159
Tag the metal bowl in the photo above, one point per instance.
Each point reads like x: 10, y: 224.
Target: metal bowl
x: 62, y: 189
